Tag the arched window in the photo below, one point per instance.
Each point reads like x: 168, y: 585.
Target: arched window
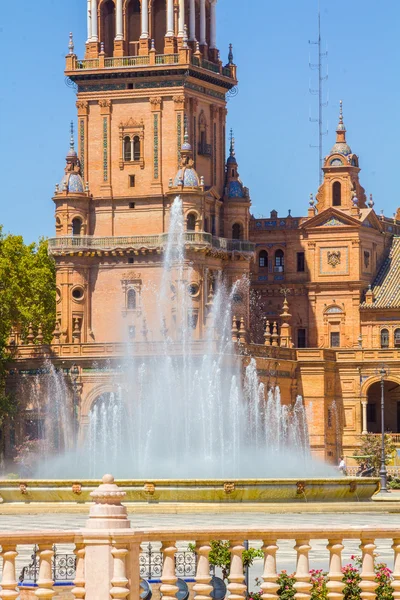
x: 127, y: 149
x: 279, y: 261
x: 337, y: 194
x: 159, y: 20
x: 236, y: 231
x: 206, y: 224
x: 131, y: 299
x: 191, y: 222
x: 136, y: 148
x: 384, y: 338
x: 108, y: 23
x: 263, y: 259
x: 76, y: 226
x: 397, y: 338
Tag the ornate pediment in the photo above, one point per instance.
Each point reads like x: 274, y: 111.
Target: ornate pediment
x: 333, y: 222
x: 132, y: 124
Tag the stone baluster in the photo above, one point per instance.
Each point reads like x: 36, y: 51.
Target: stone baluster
x: 119, y: 581
x: 275, y: 335
x: 168, y: 586
x: 302, y: 585
x: 79, y: 581
x: 270, y: 576
x: 368, y: 584
x: 8, y: 582
x: 236, y: 587
x: 45, y: 579
x: 396, y: 569
x: 335, y: 584
x: 235, y: 330
x: 202, y: 587
x: 267, y: 334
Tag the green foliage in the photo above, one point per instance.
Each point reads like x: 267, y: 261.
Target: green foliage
x: 220, y: 556
x: 371, y: 446
x: 351, y: 579
x: 27, y: 294
x: 394, y: 483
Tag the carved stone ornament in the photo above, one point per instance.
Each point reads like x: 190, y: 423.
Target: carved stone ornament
x: 301, y: 487
x: 77, y: 488
x: 149, y: 488
x: 23, y: 488
x: 334, y: 258
x: 353, y: 486
x: 229, y: 487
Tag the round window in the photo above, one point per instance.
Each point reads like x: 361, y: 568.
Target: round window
x: 77, y: 293
x: 193, y: 289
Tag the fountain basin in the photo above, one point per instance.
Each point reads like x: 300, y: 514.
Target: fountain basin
x: 233, y: 491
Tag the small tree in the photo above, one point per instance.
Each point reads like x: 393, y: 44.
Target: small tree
x: 220, y: 556
x: 371, y: 447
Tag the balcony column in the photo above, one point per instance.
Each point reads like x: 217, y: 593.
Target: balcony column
x: 95, y: 37
x: 145, y: 20
x: 364, y: 422
x: 203, y: 41
x: 213, y: 25
x: 192, y: 22
x: 170, y: 18
x: 181, y: 22
x: 89, y: 20
x: 119, y: 32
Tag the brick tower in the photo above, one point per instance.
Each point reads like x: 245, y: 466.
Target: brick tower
x: 151, y: 100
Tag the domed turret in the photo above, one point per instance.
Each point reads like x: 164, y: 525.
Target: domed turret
x: 341, y: 146
x: 234, y: 187
x: 72, y: 181
x: 187, y: 176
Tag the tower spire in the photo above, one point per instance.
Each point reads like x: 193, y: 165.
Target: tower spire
x: 341, y: 129
x: 232, y: 144
x: 71, y: 139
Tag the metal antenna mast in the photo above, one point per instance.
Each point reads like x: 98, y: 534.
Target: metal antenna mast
x: 318, y: 92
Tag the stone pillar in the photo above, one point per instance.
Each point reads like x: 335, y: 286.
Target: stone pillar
x: 213, y: 25
x: 364, y: 421
x: 192, y: 21
x: 145, y: 20
x: 170, y: 18
x: 106, y: 514
x: 181, y: 22
x: 89, y: 20
x: 119, y: 30
x: 95, y: 37
x: 203, y: 40
x: 169, y: 45
x: 119, y: 33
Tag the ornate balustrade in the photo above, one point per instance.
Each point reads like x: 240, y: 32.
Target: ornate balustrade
x: 150, y: 242
x: 121, y: 552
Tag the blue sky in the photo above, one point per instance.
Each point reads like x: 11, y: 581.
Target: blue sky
x: 270, y: 115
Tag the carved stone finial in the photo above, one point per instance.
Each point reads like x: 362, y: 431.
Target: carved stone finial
x: 108, y: 512
x: 153, y: 48
x: 235, y: 331
x: 30, y: 337
x: 230, y: 55
x: 242, y: 331
x: 267, y: 334
x: 71, y: 44
x: 102, y: 48
x: 39, y: 337
x: 312, y: 201
x: 56, y: 333
x: 371, y: 201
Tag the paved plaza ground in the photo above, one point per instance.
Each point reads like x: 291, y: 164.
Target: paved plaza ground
x: 236, y: 518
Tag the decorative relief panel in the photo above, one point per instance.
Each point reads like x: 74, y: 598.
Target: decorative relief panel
x: 349, y: 418
x: 334, y: 261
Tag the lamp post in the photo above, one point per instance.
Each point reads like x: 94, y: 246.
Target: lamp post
x: 383, y: 470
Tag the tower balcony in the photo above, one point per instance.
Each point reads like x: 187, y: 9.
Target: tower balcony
x: 89, y: 68
x: 143, y: 244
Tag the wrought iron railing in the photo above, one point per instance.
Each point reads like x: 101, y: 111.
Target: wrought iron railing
x: 167, y: 59
x: 206, y: 64
x: 126, y: 61
x: 204, y: 149
x: 88, y: 63
x: 195, y: 238
x: 63, y: 567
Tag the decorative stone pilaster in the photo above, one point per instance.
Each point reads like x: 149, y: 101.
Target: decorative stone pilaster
x: 83, y: 116
x: 105, y: 112
x: 156, y: 106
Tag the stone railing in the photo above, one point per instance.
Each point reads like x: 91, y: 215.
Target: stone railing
x: 108, y: 555
x: 137, y: 242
